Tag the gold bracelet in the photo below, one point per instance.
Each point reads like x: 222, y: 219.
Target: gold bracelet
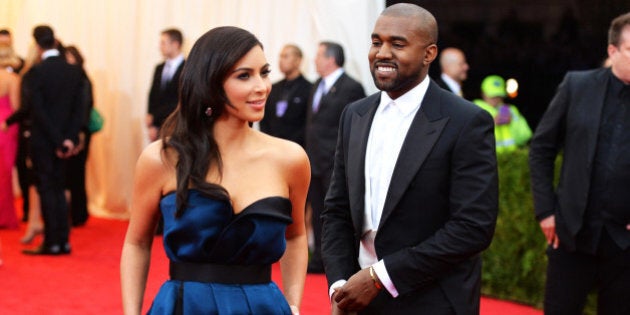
x: 377, y: 283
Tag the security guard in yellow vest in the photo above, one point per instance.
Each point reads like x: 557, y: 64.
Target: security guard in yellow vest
x: 510, y: 127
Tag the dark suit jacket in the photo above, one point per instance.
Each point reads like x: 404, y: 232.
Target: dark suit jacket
x: 292, y: 124
x: 52, y: 92
x: 570, y: 124
x: 440, y: 210
x: 163, y: 101
x: 322, y: 126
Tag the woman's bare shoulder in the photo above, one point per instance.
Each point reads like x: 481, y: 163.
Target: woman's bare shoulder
x: 156, y: 160
x: 288, y: 156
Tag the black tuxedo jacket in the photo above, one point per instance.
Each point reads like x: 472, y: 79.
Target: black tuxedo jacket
x: 571, y: 124
x: 163, y: 101
x: 440, y: 210
x: 322, y: 126
x: 291, y: 125
x: 53, y: 93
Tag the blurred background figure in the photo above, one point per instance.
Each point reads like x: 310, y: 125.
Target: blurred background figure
x: 23, y: 163
x: 454, y: 70
x: 54, y: 89
x: 330, y: 95
x: 285, y: 111
x: 6, y: 39
x: 510, y: 127
x: 75, y: 165
x: 163, y: 94
x: 9, y: 102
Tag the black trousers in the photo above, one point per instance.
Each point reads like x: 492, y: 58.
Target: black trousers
x: 316, y: 195
x: 24, y: 172
x: 75, y: 183
x: 572, y: 275
x: 50, y: 173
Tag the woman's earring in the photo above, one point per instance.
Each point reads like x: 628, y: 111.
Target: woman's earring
x: 209, y: 111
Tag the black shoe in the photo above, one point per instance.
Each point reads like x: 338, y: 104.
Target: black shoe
x: 52, y: 250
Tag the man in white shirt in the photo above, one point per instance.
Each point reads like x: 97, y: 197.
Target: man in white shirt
x: 413, y: 197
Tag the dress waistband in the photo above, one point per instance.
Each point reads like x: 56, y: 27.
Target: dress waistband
x: 227, y: 274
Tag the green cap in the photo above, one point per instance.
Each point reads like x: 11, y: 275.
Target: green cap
x: 493, y: 86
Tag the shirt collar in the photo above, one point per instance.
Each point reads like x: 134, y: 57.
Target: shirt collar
x: 409, y: 102
x: 330, y: 79
x: 616, y: 85
x: 175, y: 61
x: 452, y: 84
x: 50, y: 53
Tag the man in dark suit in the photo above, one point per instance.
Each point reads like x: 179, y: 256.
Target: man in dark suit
x: 163, y: 96
x: 285, y: 111
x: 330, y: 95
x: 414, y: 196
x: 454, y: 70
x: 52, y: 89
x: 586, y: 219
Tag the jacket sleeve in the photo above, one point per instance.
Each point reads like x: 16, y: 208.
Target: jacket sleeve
x: 546, y: 143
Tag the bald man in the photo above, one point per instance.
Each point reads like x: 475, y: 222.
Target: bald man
x: 413, y: 198
x: 454, y: 70
x: 285, y: 111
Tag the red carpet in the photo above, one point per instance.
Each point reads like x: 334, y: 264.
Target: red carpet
x: 87, y: 281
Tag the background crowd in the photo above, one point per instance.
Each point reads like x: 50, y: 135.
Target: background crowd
x: 308, y: 113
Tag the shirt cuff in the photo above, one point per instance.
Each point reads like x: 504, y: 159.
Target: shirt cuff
x: 337, y: 284
x: 383, y: 276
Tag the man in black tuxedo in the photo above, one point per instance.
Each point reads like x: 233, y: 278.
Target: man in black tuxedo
x: 414, y: 195
x: 163, y: 96
x: 454, y: 70
x: 330, y: 95
x: 586, y: 219
x: 52, y: 89
x: 285, y: 111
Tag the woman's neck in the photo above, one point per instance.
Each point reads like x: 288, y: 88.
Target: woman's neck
x: 231, y: 133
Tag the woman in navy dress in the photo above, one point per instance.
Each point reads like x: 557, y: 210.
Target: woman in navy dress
x: 232, y: 197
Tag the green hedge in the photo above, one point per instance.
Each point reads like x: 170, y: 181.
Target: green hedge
x: 515, y: 264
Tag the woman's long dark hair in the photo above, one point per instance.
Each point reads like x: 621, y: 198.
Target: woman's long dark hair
x: 188, y: 130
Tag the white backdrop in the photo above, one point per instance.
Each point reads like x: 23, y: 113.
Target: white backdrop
x: 119, y: 40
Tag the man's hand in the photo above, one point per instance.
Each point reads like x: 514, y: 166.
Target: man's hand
x: 548, y: 227
x: 67, y: 149
x: 337, y: 311
x: 357, y: 293
x: 3, y: 126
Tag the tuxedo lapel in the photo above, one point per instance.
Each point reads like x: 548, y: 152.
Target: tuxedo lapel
x: 355, y: 167
x: 423, y: 133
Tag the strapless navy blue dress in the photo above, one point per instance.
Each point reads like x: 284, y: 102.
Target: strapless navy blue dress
x: 208, y: 232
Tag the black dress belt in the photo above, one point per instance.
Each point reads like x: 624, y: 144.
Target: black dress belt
x: 227, y: 274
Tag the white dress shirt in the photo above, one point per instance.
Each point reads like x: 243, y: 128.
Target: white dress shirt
x: 452, y: 84
x: 387, y: 134
x: 170, y: 67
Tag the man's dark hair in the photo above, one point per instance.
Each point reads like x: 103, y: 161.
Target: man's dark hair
x: 5, y: 31
x: 44, y: 36
x: 616, y: 26
x: 174, y: 34
x: 334, y: 50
